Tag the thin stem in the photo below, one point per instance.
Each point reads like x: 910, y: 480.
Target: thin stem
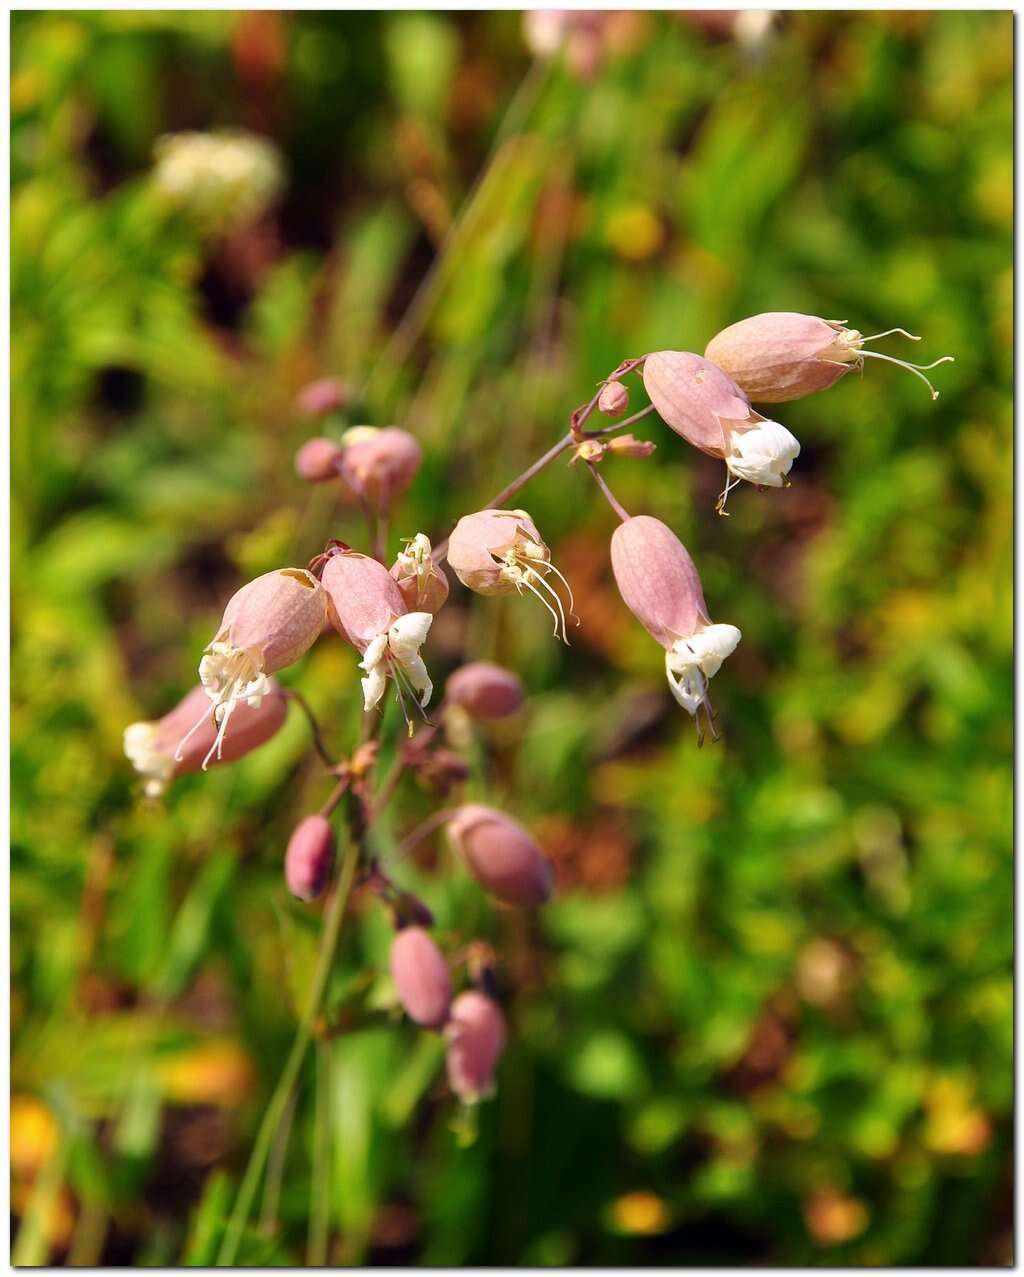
x: 422, y: 830
x: 314, y: 726
x: 620, y: 425
x: 282, y: 1092
x: 609, y: 496
x: 335, y: 796
x: 275, y: 1169
x: 320, y: 1205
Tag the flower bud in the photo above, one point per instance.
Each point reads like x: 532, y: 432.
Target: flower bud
x: 366, y: 606
x: 476, y: 1039
x: 484, y: 690
x: 151, y: 746
x: 613, y: 400
x: 267, y: 625
x: 784, y: 355
x: 627, y: 446
x: 310, y: 855
x: 327, y: 394
x: 501, y: 551
x: 379, y: 465
x: 709, y: 410
x: 421, y: 977
x: 317, y: 460
x: 422, y: 582
x: 659, y: 584
x: 501, y: 855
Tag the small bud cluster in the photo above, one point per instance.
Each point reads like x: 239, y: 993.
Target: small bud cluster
x: 384, y: 611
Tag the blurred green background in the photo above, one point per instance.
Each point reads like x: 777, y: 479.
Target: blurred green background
x: 767, y: 1020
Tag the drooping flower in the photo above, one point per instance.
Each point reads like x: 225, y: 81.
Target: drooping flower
x: 659, y: 584
x: 309, y: 857
x: 709, y: 410
x: 484, y: 690
x: 317, y: 460
x: 501, y: 551
x: 501, y: 855
x: 267, y: 625
x: 476, y: 1036
x: 421, y: 977
x: 379, y: 464
x: 423, y: 583
x: 150, y: 747
x: 326, y: 394
x: 783, y: 355
x: 366, y: 606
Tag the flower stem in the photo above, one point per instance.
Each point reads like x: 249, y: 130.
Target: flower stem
x: 282, y: 1092
x: 609, y: 496
x: 314, y: 726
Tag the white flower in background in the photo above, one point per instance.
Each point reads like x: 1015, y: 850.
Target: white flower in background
x: 222, y: 179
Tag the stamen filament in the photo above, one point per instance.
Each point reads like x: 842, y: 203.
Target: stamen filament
x: 888, y: 333
x: 917, y: 369
x: 551, y: 590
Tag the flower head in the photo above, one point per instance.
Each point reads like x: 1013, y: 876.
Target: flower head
x: 501, y: 855
x: 267, y: 625
x: 151, y: 747
x: 421, y: 977
x: 501, y: 551
x: 782, y: 355
x: 659, y: 584
x: 379, y: 464
x: 422, y: 582
x: 476, y: 1036
x: 709, y: 410
x: 366, y: 606
x: 309, y: 857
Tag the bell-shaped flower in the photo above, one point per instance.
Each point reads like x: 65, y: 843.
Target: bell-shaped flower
x: 659, y: 584
x: 151, y: 746
x: 484, y: 690
x: 421, y: 977
x: 501, y: 855
x: 476, y: 1036
x: 783, y: 355
x: 501, y: 551
x: 309, y: 857
x: 267, y: 625
x: 379, y: 464
x: 709, y: 410
x: 423, y: 583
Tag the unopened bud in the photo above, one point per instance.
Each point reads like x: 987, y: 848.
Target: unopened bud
x: 627, y: 446
x: 320, y: 397
x: 310, y: 855
x: 317, y: 460
x: 501, y: 855
x: 613, y: 400
x: 421, y: 977
x: 476, y: 1036
x: 379, y: 464
x: 151, y: 746
x: 485, y: 690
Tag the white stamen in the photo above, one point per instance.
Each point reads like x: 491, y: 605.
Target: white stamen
x: 917, y: 369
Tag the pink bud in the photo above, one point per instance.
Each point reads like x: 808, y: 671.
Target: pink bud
x: 310, y: 855
x: 317, y: 460
x: 476, y: 1039
x: 613, y: 400
x: 151, y: 746
x: 657, y: 579
x: 267, y: 625
x: 363, y: 599
x: 627, y: 446
x: 484, y: 690
x: 501, y: 552
x: 323, y: 396
x: 501, y: 855
x: 379, y: 465
x: 421, y: 977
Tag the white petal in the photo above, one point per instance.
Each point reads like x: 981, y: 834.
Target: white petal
x: 762, y: 455
x: 374, y: 653
x: 406, y: 636
x: 686, y: 683
x: 373, y: 687
x: 420, y: 679
x: 709, y: 647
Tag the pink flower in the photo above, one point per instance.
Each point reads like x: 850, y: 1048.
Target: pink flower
x: 421, y: 977
x: 659, y: 584
x: 422, y: 582
x: 501, y: 551
x: 476, y: 1039
x: 484, y: 690
x: 613, y: 400
x: 379, y: 464
x: 309, y: 857
x: 501, y: 855
x: 151, y: 746
x: 323, y: 396
x: 267, y: 625
x: 784, y: 355
x: 366, y: 606
x: 317, y: 460
x: 709, y: 410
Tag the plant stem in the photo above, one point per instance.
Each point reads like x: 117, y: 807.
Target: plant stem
x: 275, y: 1170
x: 282, y: 1092
x: 314, y: 726
x: 609, y: 496
x: 320, y: 1205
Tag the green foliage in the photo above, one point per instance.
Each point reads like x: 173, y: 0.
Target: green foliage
x: 768, y: 1019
